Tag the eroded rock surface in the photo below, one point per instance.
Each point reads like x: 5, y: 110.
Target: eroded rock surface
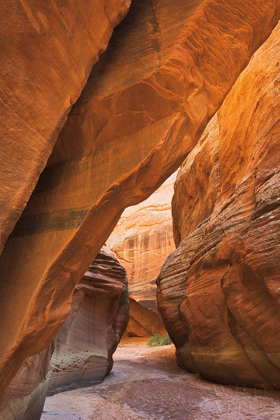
x: 168, y: 69
x: 98, y: 318
x: 219, y: 291
x: 47, y: 52
x: 142, y: 240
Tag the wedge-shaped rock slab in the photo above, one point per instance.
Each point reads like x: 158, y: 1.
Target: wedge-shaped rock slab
x: 168, y: 69
x: 143, y: 322
x: 218, y: 292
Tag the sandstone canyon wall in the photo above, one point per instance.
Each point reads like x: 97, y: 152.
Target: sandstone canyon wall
x: 47, y: 52
x: 219, y: 291
x: 142, y: 239
x: 168, y: 69
x: 84, y: 347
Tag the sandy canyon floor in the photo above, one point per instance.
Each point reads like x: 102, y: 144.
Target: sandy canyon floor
x: 147, y: 384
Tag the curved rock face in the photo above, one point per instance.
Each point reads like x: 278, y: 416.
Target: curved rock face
x: 98, y: 318
x: 142, y: 240
x: 169, y: 67
x: 219, y: 291
x: 47, y: 52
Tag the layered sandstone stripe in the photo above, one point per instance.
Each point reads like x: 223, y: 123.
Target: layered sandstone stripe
x: 219, y: 291
x: 48, y: 49
x: 145, y: 106
x: 99, y: 315
x: 142, y: 240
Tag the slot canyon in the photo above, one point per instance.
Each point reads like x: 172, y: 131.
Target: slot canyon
x: 140, y: 209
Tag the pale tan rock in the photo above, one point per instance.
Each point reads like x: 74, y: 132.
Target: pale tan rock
x: 168, y: 69
x: 142, y: 240
x: 219, y: 291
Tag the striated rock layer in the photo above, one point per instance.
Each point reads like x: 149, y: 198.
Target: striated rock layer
x: 47, y: 52
x: 142, y: 240
x: 98, y: 318
x: 168, y: 69
x: 143, y: 322
x: 219, y: 291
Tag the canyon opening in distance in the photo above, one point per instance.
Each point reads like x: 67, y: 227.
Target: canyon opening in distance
x: 140, y: 210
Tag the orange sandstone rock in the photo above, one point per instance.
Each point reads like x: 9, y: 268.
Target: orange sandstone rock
x: 219, y: 291
x: 167, y: 71
x: 48, y: 49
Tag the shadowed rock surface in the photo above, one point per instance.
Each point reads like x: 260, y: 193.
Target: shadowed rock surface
x: 218, y: 293
x: 85, y: 345
x: 25, y: 397
x: 145, y: 106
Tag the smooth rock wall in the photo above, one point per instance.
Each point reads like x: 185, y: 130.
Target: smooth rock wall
x: 218, y: 293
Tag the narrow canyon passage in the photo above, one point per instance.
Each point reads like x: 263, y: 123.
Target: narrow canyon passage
x: 103, y: 245
x: 146, y: 383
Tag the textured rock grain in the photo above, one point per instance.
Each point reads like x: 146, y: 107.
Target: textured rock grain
x: 168, y: 69
x: 85, y: 345
x: 219, y: 291
x: 47, y: 52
